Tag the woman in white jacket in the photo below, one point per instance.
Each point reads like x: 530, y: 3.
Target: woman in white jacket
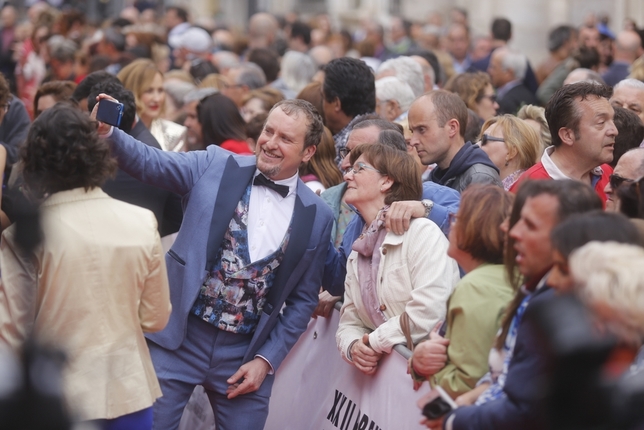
x: 388, y: 274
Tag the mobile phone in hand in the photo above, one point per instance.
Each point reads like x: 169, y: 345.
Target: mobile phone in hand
x: 109, y: 112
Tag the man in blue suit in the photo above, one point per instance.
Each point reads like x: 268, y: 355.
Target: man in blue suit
x: 245, y: 268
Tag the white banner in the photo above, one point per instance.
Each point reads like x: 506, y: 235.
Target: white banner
x: 315, y: 389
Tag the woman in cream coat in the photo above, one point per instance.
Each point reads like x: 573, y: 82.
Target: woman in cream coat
x: 95, y: 283
x: 388, y: 274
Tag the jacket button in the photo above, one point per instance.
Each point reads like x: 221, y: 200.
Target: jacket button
x: 383, y: 308
x: 384, y: 251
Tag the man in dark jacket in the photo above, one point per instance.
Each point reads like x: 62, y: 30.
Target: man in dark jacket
x: 507, y: 70
x: 437, y: 121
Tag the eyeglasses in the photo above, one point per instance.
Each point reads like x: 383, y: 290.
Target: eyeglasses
x: 491, y: 97
x: 487, y: 138
x: 360, y: 167
x: 616, y: 181
x: 344, y: 152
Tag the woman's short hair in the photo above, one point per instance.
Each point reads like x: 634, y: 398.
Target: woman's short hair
x: 538, y: 114
x: 520, y: 138
x: 63, y: 152
x: 478, y: 230
x: 610, y: 275
x: 470, y: 87
x: 137, y: 77
x: 399, y: 166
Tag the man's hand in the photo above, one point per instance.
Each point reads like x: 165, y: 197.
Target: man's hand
x: 326, y: 302
x: 430, y: 356
x: 102, y: 127
x: 251, y: 374
x: 400, y: 214
x: 364, y: 357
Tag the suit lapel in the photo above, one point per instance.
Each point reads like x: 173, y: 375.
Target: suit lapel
x: 234, y: 181
x: 303, y: 217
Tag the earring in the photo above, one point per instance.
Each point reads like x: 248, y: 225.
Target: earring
x: 507, y: 162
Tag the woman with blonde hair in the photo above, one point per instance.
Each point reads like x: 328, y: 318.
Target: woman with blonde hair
x: 535, y: 117
x: 512, y: 145
x: 145, y: 80
x: 476, y: 90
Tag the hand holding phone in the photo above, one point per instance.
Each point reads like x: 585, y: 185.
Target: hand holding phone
x: 109, y: 112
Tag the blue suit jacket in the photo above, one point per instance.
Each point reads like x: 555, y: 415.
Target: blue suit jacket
x: 521, y: 407
x: 212, y: 183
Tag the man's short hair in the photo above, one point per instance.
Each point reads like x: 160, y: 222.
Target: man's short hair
x: 302, y: 30
x: 630, y: 83
x: 573, y: 196
x: 297, y: 107
x: 251, y: 75
x: 558, y: 37
x: 181, y: 13
x: 393, y: 139
x: 501, y: 29
x: 120, y: 93
x: 406, y: 70
x: 353, y: 83
x: 382, y: 125
x: 58, y: 90
x: 449, y: 106
x: 587, y: 59
x: 392, y: 88
x: 85, y: 86
x: 563, y: 110
x: 516, y: 61
x: 64, y: 51
x: 268, y: 60
x: 630, y: 132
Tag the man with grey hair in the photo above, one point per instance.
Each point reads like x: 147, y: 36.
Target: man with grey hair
x: 405, y: 69
x: 61, y: 59
x: 629, y: 94
x: 393, y: 98
x: 507, y: 70
x: 242, y: 80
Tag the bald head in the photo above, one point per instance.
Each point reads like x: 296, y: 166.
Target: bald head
x: 628, y: 46
x: 262, y: 29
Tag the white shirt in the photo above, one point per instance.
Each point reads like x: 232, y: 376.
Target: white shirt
x: 269, y: 216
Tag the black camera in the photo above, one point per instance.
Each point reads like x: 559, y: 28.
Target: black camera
x: 439, y: 406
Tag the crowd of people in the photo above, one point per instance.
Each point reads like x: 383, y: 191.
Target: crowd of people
x: 444, y: 190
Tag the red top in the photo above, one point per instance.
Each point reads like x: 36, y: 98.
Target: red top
x: 539, y: 172
x: 237, y: 146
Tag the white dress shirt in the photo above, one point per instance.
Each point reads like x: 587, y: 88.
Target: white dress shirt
x: 269, y: 216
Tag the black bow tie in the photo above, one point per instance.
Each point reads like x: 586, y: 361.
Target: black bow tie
x: 262, y: 180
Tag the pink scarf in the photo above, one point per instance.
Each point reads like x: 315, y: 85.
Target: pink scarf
x: 368, y: 248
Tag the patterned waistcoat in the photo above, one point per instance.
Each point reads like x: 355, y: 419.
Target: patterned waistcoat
x: 234, y: 293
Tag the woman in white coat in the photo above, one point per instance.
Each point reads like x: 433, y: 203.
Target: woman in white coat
x: 389, y: 274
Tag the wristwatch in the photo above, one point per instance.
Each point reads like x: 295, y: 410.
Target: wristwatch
x: 428, y: 206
